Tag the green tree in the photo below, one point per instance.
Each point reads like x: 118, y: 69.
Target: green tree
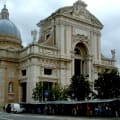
x: 56, y: 93
x: 80, y: 87
x: 108, y: 84
x: 38, y: 92
x: 65, y: 93
x: 59, y: 93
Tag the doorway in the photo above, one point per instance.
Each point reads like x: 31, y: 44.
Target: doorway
x: 23, y: 86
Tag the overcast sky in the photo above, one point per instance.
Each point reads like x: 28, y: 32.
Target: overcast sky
x: 27, y: 13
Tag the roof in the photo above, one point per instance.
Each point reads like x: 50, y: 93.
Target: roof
x: 8, y: 28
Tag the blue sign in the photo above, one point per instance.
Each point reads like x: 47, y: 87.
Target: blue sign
x: 46, y: 92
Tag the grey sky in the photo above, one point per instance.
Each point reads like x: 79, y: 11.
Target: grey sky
x: 27, y: 13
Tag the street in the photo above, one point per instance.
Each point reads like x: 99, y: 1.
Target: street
x: 11, y: 116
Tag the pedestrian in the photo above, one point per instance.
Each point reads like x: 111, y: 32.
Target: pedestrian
x: 88, y: 110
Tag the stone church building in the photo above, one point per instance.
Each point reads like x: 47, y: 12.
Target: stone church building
x: 69, y: 44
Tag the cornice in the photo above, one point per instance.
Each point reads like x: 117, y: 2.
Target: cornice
x: 43, y: 56
x: 88, y: 21
x: 10, y: 38
x: 6, y: 59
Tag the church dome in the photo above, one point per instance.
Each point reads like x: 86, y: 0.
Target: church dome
x: 8, y: 28
x: 10, y: 37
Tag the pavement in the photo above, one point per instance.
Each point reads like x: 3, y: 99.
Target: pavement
x: 24, y: 116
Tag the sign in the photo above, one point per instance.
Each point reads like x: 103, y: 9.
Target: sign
x: 46, y: 93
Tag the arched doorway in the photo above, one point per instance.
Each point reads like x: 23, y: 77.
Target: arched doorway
x: 80, y: 59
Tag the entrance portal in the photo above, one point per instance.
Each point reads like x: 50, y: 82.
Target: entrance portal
x: 80, y: 63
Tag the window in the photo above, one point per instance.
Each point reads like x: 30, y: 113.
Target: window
x: 47, y: 71
x: 23, y: 72
x: 10, y: 87
x: 47, y: 36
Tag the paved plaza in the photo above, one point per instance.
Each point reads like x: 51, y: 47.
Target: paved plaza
x: 11, y: 116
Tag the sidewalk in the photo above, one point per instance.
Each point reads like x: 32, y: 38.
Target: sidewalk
x: 55, y: 117
x: 74, y: 118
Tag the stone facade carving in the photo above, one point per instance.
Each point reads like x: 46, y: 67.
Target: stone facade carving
x: 113, y: 54
x: 79, y: 8
x: 80, y: 38
x: 34, y: 35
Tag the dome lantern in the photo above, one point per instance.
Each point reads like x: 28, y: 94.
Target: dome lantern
x: 4, y: 13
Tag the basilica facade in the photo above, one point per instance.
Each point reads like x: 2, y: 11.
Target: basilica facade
x: 69, y: 44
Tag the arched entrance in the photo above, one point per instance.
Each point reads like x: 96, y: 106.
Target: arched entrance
x: 80, y: 59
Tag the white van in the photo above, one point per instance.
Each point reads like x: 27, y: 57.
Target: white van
x: 16, y: 108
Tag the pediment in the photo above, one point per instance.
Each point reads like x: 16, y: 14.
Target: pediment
x: 78, y: 12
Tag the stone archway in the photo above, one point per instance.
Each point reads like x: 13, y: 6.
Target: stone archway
x: 80, y: 59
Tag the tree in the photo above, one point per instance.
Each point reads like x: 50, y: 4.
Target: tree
x: 108, y: 84
x: 41, y: 92
x: 66, y: 93
x: 80, y: 87
x: 59, y: 93
x: 56, y: 93
x: 38, y: 92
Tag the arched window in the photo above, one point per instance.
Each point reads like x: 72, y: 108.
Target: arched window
x: 10, y: 87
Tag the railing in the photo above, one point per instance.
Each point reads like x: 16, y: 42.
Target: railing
x: 108, y: 62
x: 35, y: 49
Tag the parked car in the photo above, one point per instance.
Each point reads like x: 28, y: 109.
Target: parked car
x: 7, y: 108
x: 14, y: 107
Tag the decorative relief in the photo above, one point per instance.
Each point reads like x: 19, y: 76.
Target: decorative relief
x: 79, y: 37
x: 80, y: 29
x: 48, y: 63
x: 79, y: 10
x: 62, y: 65
x: 46, y: 51
x: 79, y: 7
